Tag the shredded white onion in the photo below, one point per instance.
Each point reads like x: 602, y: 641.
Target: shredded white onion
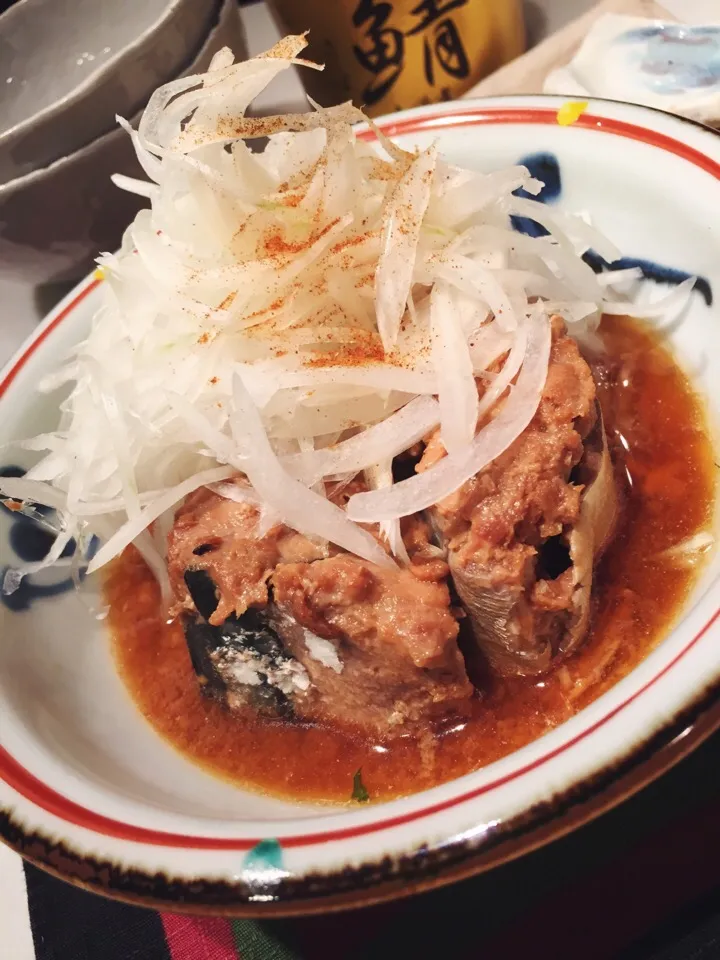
x: 381, y: 442
x: 132, y: 529
x: 300, y: 508
x: 19, y: 488
x: 425, y: 489
x: 381, y: 476
x: 301, y: 314
x: 402, y: 219
x: 457, y: 392
x: 671, y: 303
x: 691, y: 551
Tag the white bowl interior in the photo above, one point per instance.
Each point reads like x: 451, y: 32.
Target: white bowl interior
x: 66, y: 713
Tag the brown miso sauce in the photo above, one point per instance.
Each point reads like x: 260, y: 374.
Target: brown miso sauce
x: 638, y: 594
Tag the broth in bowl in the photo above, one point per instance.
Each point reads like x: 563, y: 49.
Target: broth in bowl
x: 663, y: 459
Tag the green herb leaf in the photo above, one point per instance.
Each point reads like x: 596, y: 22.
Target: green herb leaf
x: 359, y: 793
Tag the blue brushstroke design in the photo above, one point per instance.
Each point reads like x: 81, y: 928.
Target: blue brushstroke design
x: 546, y: 167
x: 675, y: 58
x: 670, y: 276
x: 30, y: 543
x: 12, y: 471
x: 265, y: 855
x: 29, y: 592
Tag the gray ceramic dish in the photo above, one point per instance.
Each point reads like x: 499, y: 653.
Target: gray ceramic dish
x: 68, y: 66
x: 53, y: 222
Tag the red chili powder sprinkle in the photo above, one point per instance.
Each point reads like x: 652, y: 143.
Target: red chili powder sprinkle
x: 275, y: 305
x: 351, y: 355
x: 228, y: 301
x: 350, y: 242
x: 275, y: 244
x: 291, y: 199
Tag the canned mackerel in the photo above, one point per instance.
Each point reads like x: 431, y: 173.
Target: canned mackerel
x: 387, y: 55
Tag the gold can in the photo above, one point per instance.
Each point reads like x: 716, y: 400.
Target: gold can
x: 387, y: 55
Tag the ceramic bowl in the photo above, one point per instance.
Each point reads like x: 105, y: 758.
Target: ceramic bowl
x: 89, y: 791
x: 68, y: 66
x: 55, y: 221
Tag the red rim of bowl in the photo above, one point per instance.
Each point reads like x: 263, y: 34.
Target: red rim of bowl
x: 34, y: 790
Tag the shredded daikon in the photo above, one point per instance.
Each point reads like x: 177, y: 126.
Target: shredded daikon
x: 425, y: 489
x: 691, y: 551
x: 299, y: 315
x: 381, y: 475
x: 381, y: 442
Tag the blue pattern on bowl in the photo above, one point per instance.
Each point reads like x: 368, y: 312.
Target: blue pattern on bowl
x: 546, y: 167
x: 30, y: 543
x: 674, y: 58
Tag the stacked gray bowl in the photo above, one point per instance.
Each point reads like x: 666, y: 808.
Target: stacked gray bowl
x: 67, y: 67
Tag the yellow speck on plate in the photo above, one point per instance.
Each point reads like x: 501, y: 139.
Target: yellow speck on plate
x: 570, y: 112
x: 99, y: 274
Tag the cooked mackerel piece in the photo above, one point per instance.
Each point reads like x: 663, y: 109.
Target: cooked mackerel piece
x: 523, y: 535
x: 284, y: 627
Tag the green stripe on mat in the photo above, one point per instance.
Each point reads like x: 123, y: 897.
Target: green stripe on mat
x: 255, y: 942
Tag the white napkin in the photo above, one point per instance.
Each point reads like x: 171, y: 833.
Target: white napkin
x: 693, y: 11
x: 617, y: 61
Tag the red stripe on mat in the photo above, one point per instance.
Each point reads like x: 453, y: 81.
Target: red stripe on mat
x: 207, y: 938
